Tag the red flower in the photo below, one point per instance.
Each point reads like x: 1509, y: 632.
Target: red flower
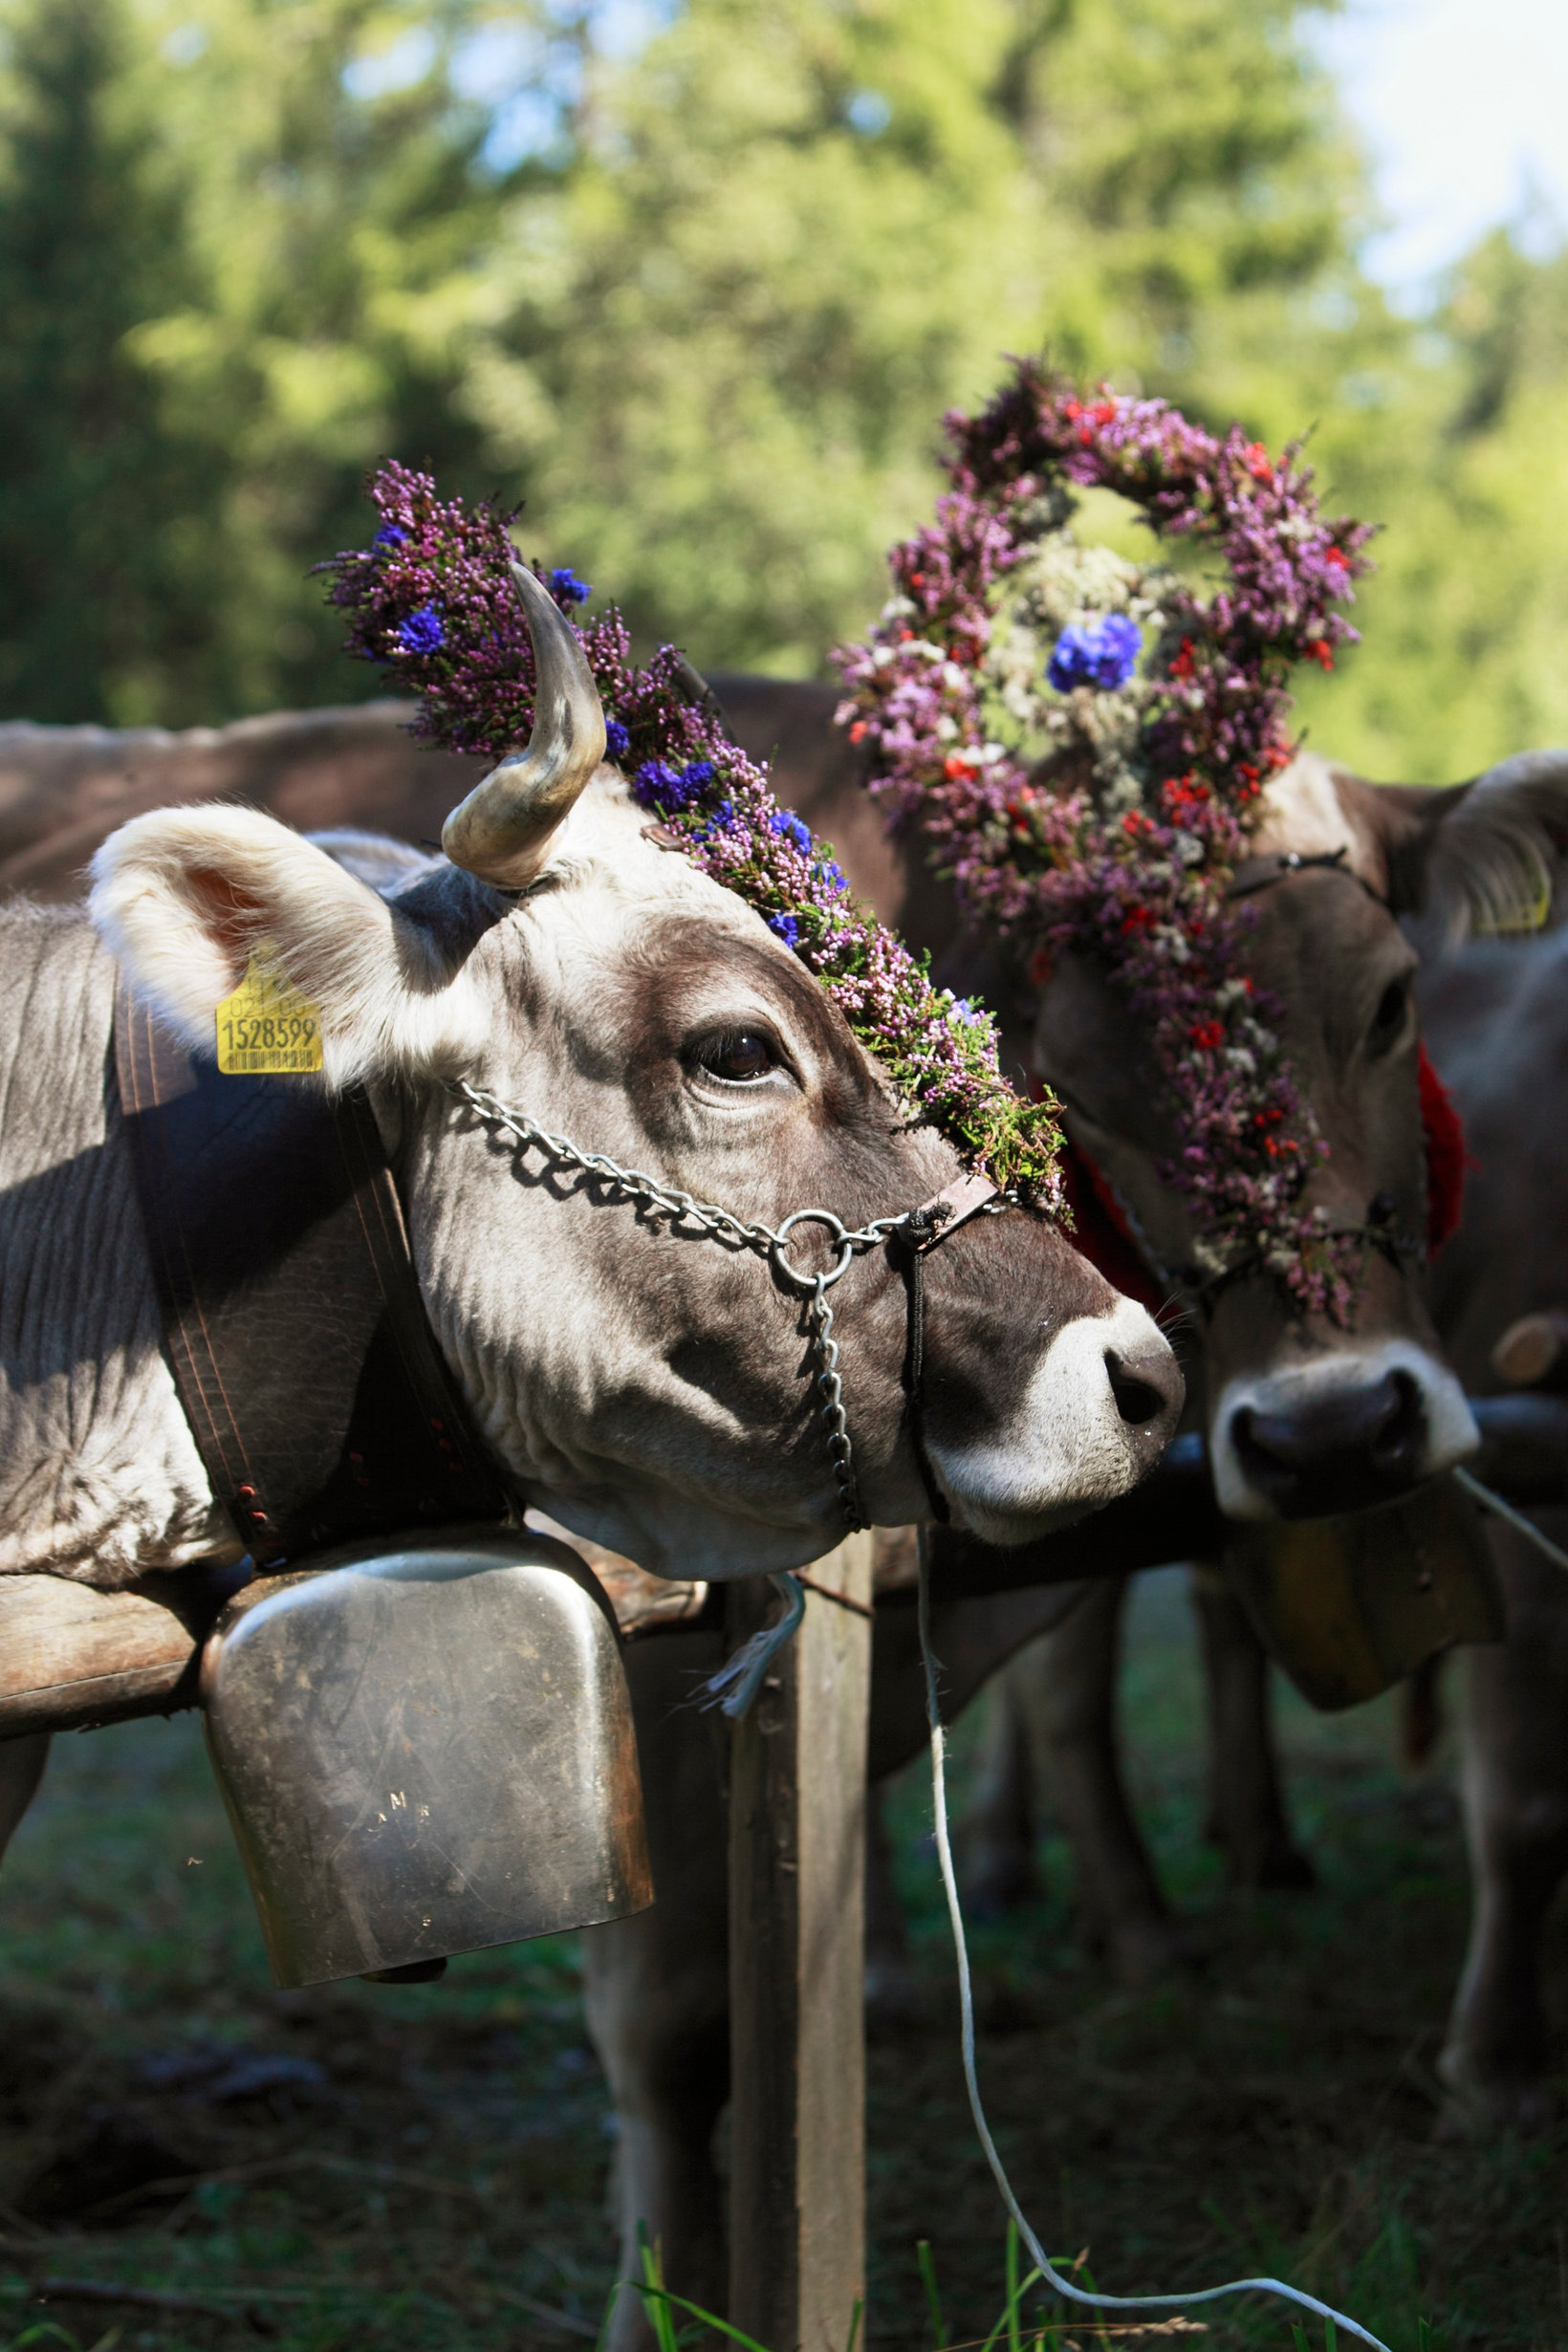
x: 1320, y: 650
x: 1259, y: 464
x: 857, y: 732
x: 1137, y: 919
x: 958, y: 765
x: 1337, y: 556
x: 1207, y: 1035
x: 1184, y: 665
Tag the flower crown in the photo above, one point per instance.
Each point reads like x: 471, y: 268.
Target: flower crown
x: 431, y: 600
x: 1083, y: 742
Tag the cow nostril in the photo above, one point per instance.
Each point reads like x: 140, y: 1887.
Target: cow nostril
x: 1137, y: 1401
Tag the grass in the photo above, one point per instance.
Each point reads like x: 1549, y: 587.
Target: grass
x: 426, y: 2164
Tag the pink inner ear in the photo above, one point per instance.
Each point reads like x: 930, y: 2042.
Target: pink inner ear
x: 231, y: 919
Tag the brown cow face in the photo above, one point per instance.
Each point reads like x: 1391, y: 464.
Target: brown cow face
x: 1305, y: 1417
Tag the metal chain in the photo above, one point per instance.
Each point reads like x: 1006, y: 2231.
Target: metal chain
x: 723, y: 1225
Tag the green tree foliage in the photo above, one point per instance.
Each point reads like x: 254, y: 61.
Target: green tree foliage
x: 706, y: 327
x: 1453, y: 439
x: 793, y: 232
x: 96, y: 488
x: 235, y: 252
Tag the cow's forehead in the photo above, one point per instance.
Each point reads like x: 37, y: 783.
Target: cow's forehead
x: 1303, y: 811
x: 606, y: 868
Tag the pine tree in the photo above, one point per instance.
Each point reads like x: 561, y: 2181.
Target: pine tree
x: 95, y: 608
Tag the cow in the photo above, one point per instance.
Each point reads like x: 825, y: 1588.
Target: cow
x: 1494, y: 1014
x: 563, y: 959
x: 1302, y: 1418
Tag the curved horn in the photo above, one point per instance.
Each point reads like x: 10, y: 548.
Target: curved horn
x: 502, y: 832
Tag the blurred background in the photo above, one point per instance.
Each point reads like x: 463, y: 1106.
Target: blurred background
x: 696, y: 281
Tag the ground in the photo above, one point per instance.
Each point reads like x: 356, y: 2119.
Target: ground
x: 376, y: 2167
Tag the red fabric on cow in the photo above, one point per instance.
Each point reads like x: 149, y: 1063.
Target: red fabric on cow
x: 1099, y: 1231
x: 1099, y: 1226
x: 1446, y: 1158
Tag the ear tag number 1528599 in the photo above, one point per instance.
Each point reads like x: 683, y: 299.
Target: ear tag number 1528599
x: 267, y: 1029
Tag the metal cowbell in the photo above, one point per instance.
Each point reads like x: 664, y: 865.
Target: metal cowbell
x: 425, y: 1747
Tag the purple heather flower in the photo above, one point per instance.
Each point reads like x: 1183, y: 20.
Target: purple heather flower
x: 787, y: 927
x: 423, y: 631
x: 616, y: 741
x: 1105, y: 654
x: 786, y: 824
x: 566, y: 587
x: 389, y: 535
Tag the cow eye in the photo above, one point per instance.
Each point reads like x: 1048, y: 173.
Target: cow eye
x: 1388, y: 1020
x: 738, y: 1056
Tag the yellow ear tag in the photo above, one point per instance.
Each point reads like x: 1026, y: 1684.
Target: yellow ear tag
x: 267, y: 1029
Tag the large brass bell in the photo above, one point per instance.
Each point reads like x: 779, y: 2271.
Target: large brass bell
x: 425, y: 1747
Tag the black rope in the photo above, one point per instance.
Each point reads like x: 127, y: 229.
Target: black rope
x: 919, y: 1230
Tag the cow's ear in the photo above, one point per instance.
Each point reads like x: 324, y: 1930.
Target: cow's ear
x: 1485, y: 855
x: 183, y: 898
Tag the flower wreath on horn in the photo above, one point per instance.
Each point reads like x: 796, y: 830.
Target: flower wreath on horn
x: 1083, y: 740
x: 432, y: 601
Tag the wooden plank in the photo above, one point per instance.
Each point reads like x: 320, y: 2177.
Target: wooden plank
x: 797, y: 1964
x: 71, y: 1656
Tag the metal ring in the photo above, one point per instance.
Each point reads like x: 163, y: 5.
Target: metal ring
x: 839, y: 1234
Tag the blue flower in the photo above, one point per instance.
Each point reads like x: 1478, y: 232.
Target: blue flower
x: 616, y: 741
x: 697, y: 773
x: 566, y: 587
x: 1105, y: 654
x: 389, y: 535
x: 785, y: 821
x: 831, y: 877
x: 423, y: 631
x: 787, y: 927
x: 657, y: 785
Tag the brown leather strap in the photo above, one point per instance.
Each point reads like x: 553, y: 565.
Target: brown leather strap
x: 295, y: 1331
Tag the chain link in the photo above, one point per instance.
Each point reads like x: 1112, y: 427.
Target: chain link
x: 723, y: 1225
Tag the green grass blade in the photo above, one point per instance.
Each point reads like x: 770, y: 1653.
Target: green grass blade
x: 927, y: 2274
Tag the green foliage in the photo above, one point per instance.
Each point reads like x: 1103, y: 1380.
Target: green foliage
x: 707, y: 329
x: 229, y: 284
x: 96, y: 488
x: 794, y: 233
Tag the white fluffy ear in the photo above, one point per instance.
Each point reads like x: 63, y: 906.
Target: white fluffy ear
x: 181, y: 897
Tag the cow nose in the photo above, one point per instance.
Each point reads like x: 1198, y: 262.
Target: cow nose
x: 1337, y: 1449
x: 1148, y: 1391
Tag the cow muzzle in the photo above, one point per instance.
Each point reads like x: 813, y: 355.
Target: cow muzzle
x: 1099, y: 1413
x: 1345, y: 1433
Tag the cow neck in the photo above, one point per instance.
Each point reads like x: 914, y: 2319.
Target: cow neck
x: 292, y: 1318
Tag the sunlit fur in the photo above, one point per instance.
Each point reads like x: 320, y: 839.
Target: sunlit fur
x: 653, y: 1390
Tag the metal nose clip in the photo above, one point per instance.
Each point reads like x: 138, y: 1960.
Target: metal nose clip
x: 425, y: 1747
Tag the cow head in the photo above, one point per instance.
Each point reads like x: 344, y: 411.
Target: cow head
x: 648, y: 1386
x: 1306, y: 1419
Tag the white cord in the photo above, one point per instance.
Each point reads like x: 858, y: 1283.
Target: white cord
x: 1048, y: 2271
x: 1500, y: 1509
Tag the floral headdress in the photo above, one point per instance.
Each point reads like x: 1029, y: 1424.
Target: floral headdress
x: 1083, y: 742
x: 432, y: 601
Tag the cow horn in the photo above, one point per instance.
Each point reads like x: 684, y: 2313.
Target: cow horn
x: 502, y: 832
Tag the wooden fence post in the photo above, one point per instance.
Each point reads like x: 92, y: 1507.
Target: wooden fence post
x: 798, y: 1798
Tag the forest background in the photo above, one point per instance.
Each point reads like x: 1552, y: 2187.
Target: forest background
x: 695, y: 284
